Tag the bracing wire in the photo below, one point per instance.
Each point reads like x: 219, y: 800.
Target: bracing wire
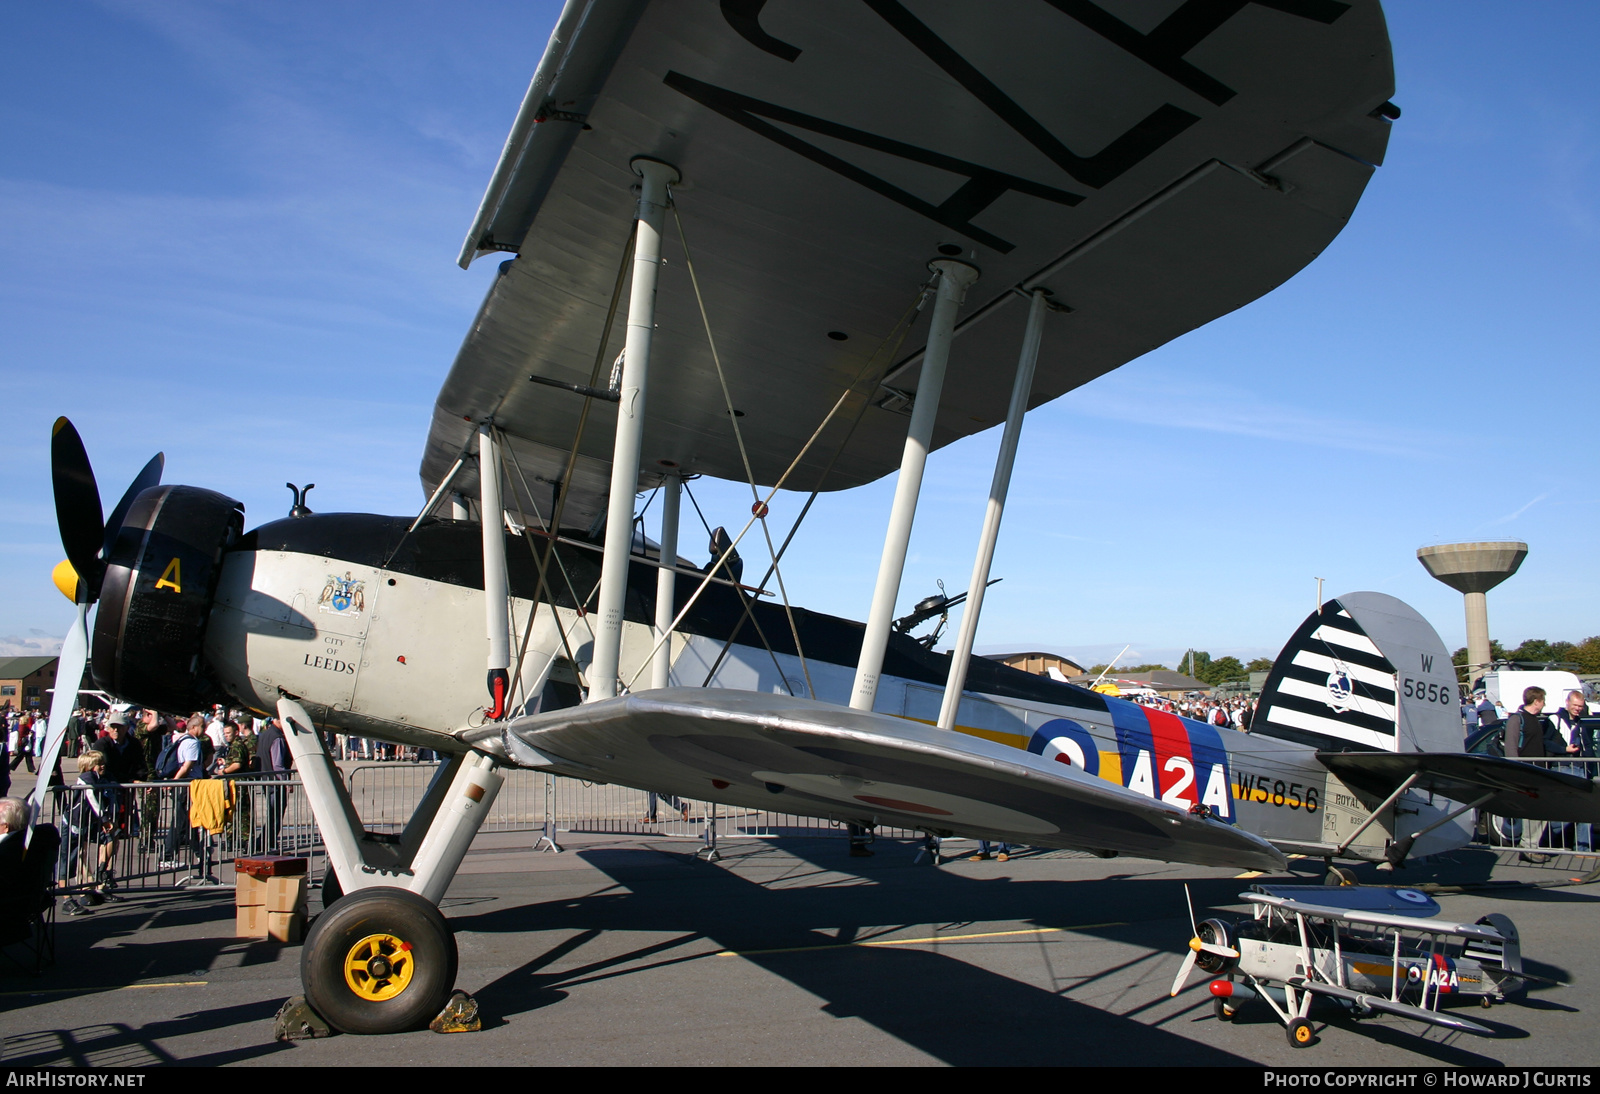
x: 827, y: 420
x: 748, y: 613
x: 758, y: 507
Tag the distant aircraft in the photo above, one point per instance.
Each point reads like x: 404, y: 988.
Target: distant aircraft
x: 878, y: 204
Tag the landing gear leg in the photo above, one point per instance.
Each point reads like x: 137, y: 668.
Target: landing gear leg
x: 382, y: 959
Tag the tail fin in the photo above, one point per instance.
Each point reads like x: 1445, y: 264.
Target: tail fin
x: 1364, y: 672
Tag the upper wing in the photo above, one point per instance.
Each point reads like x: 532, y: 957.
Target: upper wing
x: 1330, y: 907
x: 801, y: 756
x: 1518, y: 789
x: 1153, y: 168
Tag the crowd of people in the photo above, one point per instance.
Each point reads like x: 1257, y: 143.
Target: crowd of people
x: 1232, y: 713
x: 123, y: 755
x: 137, y: 770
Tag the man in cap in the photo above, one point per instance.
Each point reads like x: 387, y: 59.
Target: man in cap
x: 124, y: 755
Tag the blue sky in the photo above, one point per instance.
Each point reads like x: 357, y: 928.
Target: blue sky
x: 228, y: 232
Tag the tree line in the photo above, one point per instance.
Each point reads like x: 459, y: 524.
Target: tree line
x: 1207, y: 671
x: 1585, y: 654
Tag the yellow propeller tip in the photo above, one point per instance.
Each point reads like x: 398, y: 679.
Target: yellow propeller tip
x: 66, y: 579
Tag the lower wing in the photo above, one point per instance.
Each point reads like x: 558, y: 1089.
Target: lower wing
x: 1517, y: 789
x: 799, y: 756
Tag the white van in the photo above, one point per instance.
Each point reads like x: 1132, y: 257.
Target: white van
x: 1505, y: 688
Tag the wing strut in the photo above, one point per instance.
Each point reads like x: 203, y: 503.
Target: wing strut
x: 954, y: 279
x: 656, y: 176
x: 1021, y: 388
x: 496, y: 587
x: 666, y: 580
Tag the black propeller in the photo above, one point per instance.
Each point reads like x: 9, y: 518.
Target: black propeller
x: 78, y: 512
x: 87, y: 538
x: 85, y: 534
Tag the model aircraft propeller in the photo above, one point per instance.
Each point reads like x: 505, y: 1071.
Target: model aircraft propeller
x: 1197, y: 946
x: 87, y: 537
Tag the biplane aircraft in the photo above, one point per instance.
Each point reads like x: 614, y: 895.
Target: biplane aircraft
x: 798, y: 245
x: 1367, y: 950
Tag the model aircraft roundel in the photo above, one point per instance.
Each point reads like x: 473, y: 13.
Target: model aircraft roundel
x: 1066, y: 742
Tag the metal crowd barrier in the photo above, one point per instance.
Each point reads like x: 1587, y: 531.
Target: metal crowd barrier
x: 141, y: 833
x: 1535, y: 838
x: 384, y: 795
x: 142, y: 837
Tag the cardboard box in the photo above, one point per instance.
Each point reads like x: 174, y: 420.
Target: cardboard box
x: 285, y: 894
x: 286, y: 926
x: 250, y: 921
x: 249, y: 891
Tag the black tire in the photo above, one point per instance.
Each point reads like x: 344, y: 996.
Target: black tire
x: 341, y: 935
x: 1223, y: 1010
x: 1340, y: 876
x: 1300, y: 1033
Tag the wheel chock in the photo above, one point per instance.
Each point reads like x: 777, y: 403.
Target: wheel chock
x: 460, y: 1015
x: 296, y: 1021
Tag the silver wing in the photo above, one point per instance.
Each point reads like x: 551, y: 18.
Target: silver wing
x: 800, y: 756
x: 1153, y: 166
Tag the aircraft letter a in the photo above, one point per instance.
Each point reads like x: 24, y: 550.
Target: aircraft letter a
x: 171, y: 578
x: 1216, y: 796
x: 1142, y: 780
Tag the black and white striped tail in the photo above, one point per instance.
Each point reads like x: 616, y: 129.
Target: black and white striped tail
x: 1331, y: 687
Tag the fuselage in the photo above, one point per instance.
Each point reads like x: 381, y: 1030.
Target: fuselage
x: 382, y: 634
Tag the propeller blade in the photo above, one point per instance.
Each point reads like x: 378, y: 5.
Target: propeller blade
x: 1183, y: 973
x: 69, y: 674
x: 78, y: 512
x: 144, y: 480
x: 1220, y: 951
x: 1194, y: 928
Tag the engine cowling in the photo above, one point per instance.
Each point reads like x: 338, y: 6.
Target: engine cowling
x: 160, y: 580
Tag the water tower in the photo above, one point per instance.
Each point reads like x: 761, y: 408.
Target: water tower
x: 1474, y: 569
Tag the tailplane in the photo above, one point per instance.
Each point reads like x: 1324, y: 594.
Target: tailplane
x: 1365, y: 672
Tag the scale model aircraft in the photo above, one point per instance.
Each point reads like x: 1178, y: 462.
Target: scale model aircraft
x: 1088, y: 185
x: 1369, y: 950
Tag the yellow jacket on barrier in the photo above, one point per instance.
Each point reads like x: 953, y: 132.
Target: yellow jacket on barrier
x: 210, y: 803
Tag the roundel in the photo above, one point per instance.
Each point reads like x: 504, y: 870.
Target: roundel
x: 1412, y: 895
x: 1067, y: 742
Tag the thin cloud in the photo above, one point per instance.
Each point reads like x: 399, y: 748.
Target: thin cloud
x: 1509, y: 517
x: 1163, y: 403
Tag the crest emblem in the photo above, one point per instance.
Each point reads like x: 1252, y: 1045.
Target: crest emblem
x: 1339, y: 690
x: 342, y: 595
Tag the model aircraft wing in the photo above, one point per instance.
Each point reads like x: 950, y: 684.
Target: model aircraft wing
x: 1384, y: 1003
x: 1151, y: 167
x: 1337, y: 906
x: 1518, y: 789
x: 800, y: 756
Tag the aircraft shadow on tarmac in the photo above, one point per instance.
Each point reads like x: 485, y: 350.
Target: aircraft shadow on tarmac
x: 938, y: 1003
x: 946, y: 1007
x: 116, y: 1044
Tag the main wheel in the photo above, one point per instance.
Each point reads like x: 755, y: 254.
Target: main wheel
x: 1222, y: 1009
x: 379, y: 961
x: 1300, y: 1033
x: 1341, y: 876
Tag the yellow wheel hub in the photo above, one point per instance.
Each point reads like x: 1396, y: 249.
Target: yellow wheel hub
x: 1303, y: 1034
x: 379, y: 967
